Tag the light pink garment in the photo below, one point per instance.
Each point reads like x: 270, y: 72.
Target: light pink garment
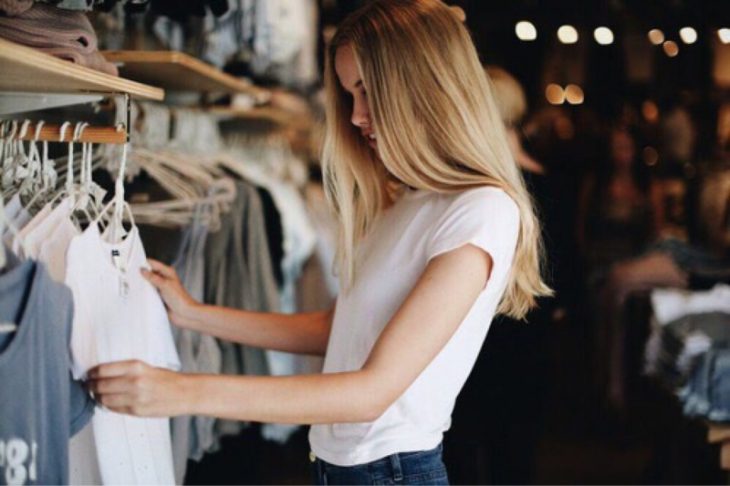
x: 62, y: 33
x: 12, y: 8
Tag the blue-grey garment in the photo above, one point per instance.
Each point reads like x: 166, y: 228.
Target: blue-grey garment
x: 707, y: 393
x: 192, y: 436
x: 715, y: 326
x: 420, y: 467
x: 41, y: 406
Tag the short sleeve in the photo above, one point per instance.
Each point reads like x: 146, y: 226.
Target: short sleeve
x: 81, y: 405
x: 486, y: 218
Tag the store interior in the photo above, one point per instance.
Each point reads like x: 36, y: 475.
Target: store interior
x: 199, y: 126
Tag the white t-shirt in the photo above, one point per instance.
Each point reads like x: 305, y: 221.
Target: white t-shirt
x: 120, y: 316
x: 420, y: 226
x: 42, y: 232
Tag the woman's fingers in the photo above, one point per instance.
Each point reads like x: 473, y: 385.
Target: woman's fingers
x: 162, y: 269
x: 154, y: 278
x: 117, y: 402
x: 116, y: 369
x: 110, y: 386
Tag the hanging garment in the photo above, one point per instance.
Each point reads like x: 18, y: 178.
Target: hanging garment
x: 281, y: 30
x: 17, y: 215
x: 298, y: 244
x: 317, y: 288
x: 239, y: 275
x: 40, y: 233
x: 18, y: 247
x: 42, y: 406
x: 120, y: 316
x: 193, y: 436
x: 53, y: 249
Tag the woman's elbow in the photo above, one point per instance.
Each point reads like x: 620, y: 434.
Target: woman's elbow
x: 375, y: 401
x: 372, y: 411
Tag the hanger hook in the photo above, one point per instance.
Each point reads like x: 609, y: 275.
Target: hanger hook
x: 63, y: 129
x: 38, y: 129
x: 78, y: 129
x: 13, y: 129
x: 24, y: 129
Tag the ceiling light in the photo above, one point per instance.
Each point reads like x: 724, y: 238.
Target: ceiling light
x: 656, y: 36
x: 525, y: 31
x: 603, y: 35
x: 688, y: 35
x: 554, y: 94
x: 574, y: 94
x: 567, y: 34
x: 671, y: 48
x: 724, y: 35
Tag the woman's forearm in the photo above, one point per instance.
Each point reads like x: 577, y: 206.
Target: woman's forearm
x: 294, y: 333
x: 302, y: 399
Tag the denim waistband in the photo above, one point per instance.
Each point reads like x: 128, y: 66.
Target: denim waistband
x: 420, y: 467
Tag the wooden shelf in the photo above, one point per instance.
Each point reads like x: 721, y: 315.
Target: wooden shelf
x: 177, y: 71
x: 24, y: 69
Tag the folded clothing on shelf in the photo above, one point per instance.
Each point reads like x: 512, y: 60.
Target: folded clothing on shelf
x: 61, y: 33
x: 14, y: 7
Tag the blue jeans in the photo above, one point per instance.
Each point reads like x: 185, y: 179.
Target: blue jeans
x: 422, y: 467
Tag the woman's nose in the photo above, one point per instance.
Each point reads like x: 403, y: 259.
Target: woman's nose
x: 360, y: 114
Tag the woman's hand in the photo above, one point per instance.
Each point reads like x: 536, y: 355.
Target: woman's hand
x: 177, y: 300
x: 136, y: 388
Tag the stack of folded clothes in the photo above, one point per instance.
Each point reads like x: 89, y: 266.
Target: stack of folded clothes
x: 62, y: 33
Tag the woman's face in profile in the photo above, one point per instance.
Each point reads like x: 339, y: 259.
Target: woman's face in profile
x: 349, y: 77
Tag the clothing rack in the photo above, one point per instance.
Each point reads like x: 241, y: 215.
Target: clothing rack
x: 90, y: 134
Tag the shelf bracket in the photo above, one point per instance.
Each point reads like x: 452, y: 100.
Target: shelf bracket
x: 20, y: 102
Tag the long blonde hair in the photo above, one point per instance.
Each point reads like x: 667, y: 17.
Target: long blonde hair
x: 437, y: 124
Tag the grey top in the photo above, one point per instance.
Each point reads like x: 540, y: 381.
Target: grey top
x: 238, y: 274
x: 42, y: 406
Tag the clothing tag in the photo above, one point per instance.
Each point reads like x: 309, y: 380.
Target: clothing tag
x: 116, y: 258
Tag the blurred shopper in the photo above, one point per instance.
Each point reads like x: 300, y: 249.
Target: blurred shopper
x: 615, y: 207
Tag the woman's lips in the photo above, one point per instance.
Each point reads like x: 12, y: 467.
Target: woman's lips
x: 372, y: 140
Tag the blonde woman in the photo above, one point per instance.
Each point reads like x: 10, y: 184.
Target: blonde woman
x: 437, y: 234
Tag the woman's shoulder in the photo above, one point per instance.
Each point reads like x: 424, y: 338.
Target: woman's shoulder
x: 487, y: 198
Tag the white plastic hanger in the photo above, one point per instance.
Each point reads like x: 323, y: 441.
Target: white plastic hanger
x: 39, y: 165
x: 115, y: 230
